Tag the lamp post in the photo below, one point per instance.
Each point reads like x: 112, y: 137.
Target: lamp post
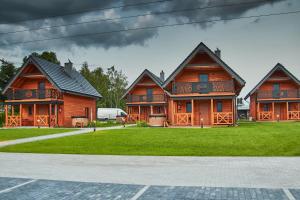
x: 38, y: 121
x: 277, y: 116
x: 201, y: 122
x: 94, y: 125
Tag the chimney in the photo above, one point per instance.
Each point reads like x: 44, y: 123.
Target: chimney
x: 218, y: 52
x: 162, y: 76
x: 69, y: 68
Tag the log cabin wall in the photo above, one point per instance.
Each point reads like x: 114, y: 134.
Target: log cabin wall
x: 75, y: 105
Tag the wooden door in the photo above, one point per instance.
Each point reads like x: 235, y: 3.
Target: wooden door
x: 280, y: 110
x: 145, y: 112
x: 204, y: 112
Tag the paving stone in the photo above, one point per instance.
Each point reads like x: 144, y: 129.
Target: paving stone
x: 295, y: 193
x: 211, y: 193
x: 63, y: 190
x: 11, y: 182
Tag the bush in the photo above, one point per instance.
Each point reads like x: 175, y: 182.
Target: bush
x: 2, y: 118
x: 142, y: 124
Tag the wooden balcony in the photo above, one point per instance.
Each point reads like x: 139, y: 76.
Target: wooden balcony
x: 202, y: 87
x: 281, y: 94
x: 21, y: 94
x: 146, y: 98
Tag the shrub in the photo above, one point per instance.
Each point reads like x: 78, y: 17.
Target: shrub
x: 142, y: 124
x: 2, y: 118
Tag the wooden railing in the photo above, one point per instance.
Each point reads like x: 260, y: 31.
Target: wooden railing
x: 45, y: 120
x: 265, y: 115
x: 13, y: 120
x: 133, y: 117
x: 281, y: 94
x: 183, y: 119
x: 293, y: 115
x: 202, y: 87
x: 223, y: 118
x: 19, y: 94
x: 146, y: 98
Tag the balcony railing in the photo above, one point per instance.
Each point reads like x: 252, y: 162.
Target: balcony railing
x: 146, y: 98
x: 19, y: 94
x: 203, y: 87
x: 281, y: 94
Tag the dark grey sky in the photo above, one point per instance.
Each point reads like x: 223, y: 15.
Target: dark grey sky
x: 250, y: 46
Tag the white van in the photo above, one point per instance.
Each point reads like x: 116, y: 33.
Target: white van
x: 109, y: 113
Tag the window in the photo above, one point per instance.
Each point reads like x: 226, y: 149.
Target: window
x: 29, y: 110
x: 188, y: 107
x: 219, y: 106
x: 276, y: 90
x: 53, y: 109
x: 266, y: 107
x: 203, y: 78
x: 87, y: 112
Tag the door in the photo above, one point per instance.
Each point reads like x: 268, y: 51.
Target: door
x: 276, y: 90
x: 145, y: 112
x: 204, y: 107
x: 204, y: 84
x: 149, y: 94
x: 41, y: 90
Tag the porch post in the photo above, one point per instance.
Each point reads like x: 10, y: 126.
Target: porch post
x: 50, y: 113
x: 6, y: 115
x: 273, y: 111
x: 151, y: 110
x: 56, y: 116
x: 20, y: 114
x: 233, y: 111
x: 173, y: 112
x: 287, y: 110
x: 192, y: 118
x: 12, y: 110
x: 34, y: 108
x: 212, y: 111
x: 258, y: 111
x: 139, y: 112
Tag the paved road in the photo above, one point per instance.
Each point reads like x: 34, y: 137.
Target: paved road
x: 31, y: 189
x: 57, y: 135
x: 252, y: 172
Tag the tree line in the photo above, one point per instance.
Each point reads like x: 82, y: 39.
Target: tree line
x: 110, y: 83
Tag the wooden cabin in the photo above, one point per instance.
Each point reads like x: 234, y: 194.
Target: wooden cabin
x: 276, y: 97
x: 46, y: 94
x: 202, y: 90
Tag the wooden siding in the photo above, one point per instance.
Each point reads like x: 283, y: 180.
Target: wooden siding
x: 75, y: 105
x: 257, y: 103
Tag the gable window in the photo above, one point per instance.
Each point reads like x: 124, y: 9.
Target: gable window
x: 203, y: 78
x: 29, y: 110
x: 266, y: 108
x: 188, y: 107
x: 219, y: 106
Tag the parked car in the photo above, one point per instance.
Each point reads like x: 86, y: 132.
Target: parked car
x: 110, y: 113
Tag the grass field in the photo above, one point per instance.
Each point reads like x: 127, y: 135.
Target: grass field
x: 12, y: 134
x: 249, y: 139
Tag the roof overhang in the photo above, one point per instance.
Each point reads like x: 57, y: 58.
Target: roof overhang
x: 203, y: 48
x: 145, y: 72
x: 278, y: 66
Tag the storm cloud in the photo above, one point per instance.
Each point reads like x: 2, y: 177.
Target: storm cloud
x: 14, y: 13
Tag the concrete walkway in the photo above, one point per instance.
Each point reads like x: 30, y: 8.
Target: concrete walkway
x: 248, y: 172
x: 57, y: 135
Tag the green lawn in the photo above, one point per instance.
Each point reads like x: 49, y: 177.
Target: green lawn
x: 249, y: 139
x: 17, y: 133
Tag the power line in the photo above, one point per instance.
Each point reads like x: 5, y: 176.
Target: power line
x: 90, y: 10
x: 152, y: 27
x: 135, y: 16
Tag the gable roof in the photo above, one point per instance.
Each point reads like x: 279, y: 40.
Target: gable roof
x: 278, y: 66
x: 155, y: 78
x: 217, y: 59
x: 74, y: 83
